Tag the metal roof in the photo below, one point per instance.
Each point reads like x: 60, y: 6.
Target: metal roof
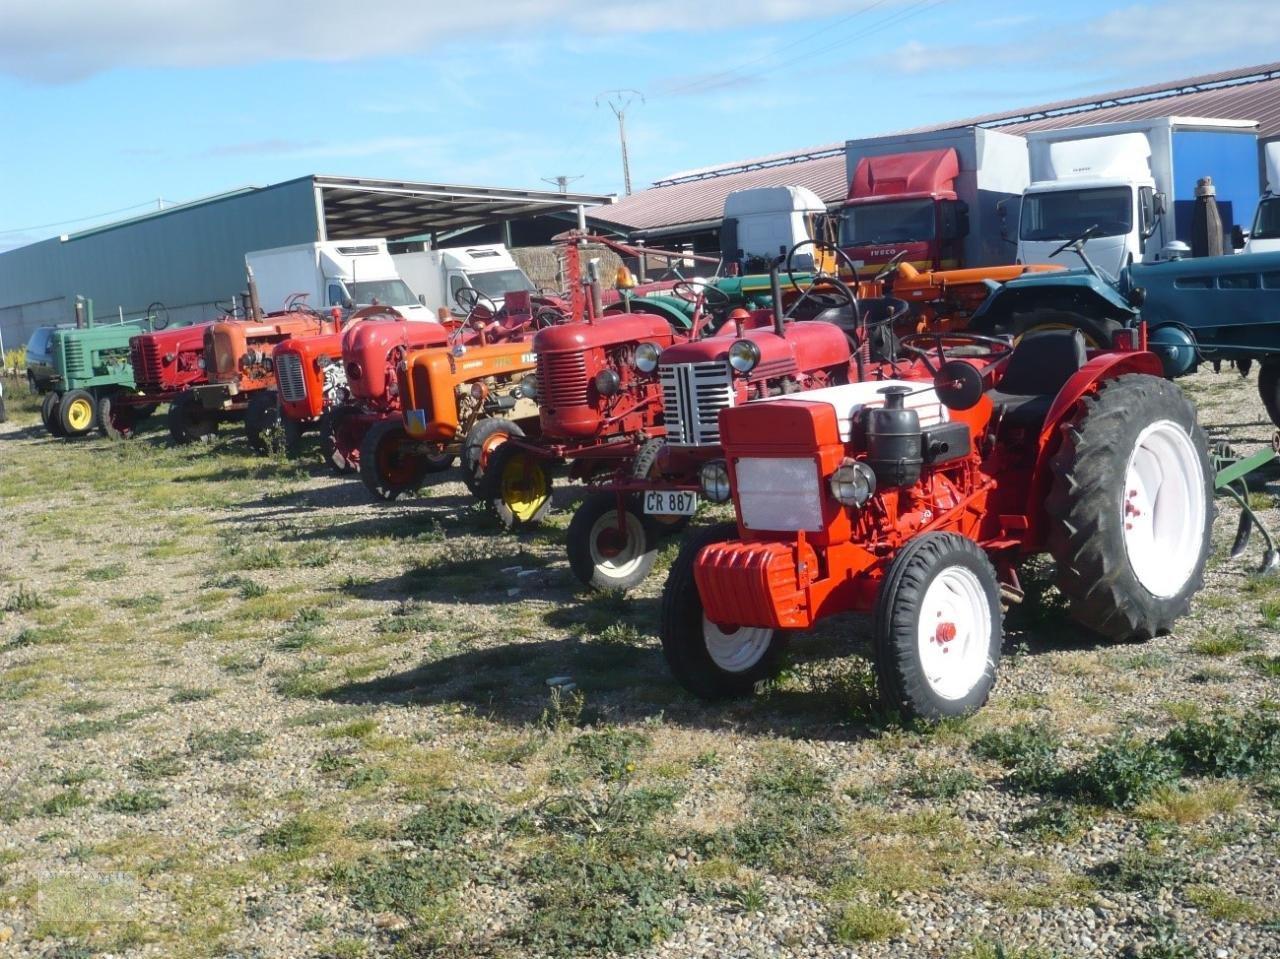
x: 695, y: 198
x: 357, y: 207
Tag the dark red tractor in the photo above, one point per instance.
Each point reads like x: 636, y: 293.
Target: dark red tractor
x: 916, y: 494
x: 165, y: 363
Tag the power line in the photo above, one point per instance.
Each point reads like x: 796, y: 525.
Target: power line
x: 81, y: 219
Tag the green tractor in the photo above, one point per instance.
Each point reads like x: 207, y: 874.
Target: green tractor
x: 91, y: 365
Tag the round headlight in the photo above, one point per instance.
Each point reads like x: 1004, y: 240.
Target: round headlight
x: 324, y: 361
x: 200, y: 362
x: 168, y: 357
x: 528, y: 388
x: 608, y: 382
x: 853, y: 483
x: 714, y: 478
x: 354, y: 370
x: 479, y: 391
x: 647, y: 357
x: 744, y: 355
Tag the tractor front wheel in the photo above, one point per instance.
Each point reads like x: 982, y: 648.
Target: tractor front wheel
x: 712, y: 661
x: 76, y: 412
x: 1269, y: 387
x: 189, y: 422
x: 338, y: 450
x: 938, y: 628
x: 391, y: 462
x: 645, y: 467
x: 116, y: 420
x: 262, y: 422
x: 608, y: 551
x: 291, y: 437
x: 485, y: 437
x: 517, y: 486
x: 49, y: 414
x: 1131, y: 507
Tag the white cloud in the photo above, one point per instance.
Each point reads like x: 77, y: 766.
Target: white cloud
x: 65, y: 40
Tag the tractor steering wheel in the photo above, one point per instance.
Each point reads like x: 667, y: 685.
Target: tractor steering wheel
x: 469, y: 298
x: 841, y: 255
x: 830, y: 285
x: 889, y: 267
x: 158, y: 314
x: 1089, y: 232
x: 376, y: 311
x: 996, y: 348
x: 691, y: 290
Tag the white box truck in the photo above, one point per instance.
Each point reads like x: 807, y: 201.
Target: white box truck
x: 1264, y: 237
x: 761, y: 221
x: 438, y: 275
x: 348, y: 274
x: 936, y: 198
x: 1134, y: 183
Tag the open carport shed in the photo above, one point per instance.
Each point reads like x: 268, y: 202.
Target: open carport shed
x: 190, y: 257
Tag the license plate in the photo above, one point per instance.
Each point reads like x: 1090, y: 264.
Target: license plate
x: 666, y: 502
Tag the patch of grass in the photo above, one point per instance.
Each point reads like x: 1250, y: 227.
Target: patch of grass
x: 89, y: 728
x: 400, y: 885
x: 299, y: 835
x: 104, y: 574
x: 1266, y: 666
x: 1225, y: 643
x: 225, y: 745
x: 142, y: 603
x: 1138, y: 870
x: 444, y: 820
x: 83, y: 707
x: 996, y: 949
x: 192, y: 695
x: 135, y: 802
x: 1029, y: 752
x: 1222, y: 905
x: 60, y: 804
x: 937, y: 782
x: 610, y: 753
x: 858, y: 922
x: 356, y: 729
x: 308, y: 681
x: 159, y: 766
x: 1183, y: 806
x: 1125, y: 771
x: 24, y: 600
x: 1054, y: 820
x: 1227, y: 745
x: 789, y: 776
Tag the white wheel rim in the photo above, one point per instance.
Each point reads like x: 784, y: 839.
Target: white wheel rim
x: 738, y: 650
x: 627, y: 560
x: 1162, y: 508
x: 953, y: 634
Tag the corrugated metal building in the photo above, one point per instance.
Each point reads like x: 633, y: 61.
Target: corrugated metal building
x: 686, y: 208
x: 191, y: 257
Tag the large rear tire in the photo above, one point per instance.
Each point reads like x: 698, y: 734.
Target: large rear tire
x: 606, y: 554
x: 339, y: 452
x: 189, y: 422
x: 76, y: 412
x: 1098, y: 332
x: 1131, y: 507
x: 709, y: 661
x: 517, y: 486
x: 937, y: 628
x: 1269, y: 387
x: 485, y: 437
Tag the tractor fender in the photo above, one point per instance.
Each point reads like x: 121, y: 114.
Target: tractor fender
x: 1108, y: 366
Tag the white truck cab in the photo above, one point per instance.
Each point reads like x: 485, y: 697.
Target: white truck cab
x: 348, y: 274
x: 1264, y: 237
x: 438, y: 275
x: 759, y: 222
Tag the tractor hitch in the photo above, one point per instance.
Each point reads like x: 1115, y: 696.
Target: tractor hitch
x: 1232, y: 475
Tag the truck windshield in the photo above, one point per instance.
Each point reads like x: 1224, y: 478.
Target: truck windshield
x: 386, y: 292
x: 1063, y: 214
x: 500, y: 282
x: 1267, y: 224
x: 903, y: 221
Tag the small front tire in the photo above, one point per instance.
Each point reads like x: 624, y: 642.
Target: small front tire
x: 391, y: 462
x: 517, y: 485
x: 116, y: 420
x: 605, y: 555
x: 262, y: 422
x: 49, y: 414
x: 76, y: 412
x: 485, y: 437
x: 189, y: 422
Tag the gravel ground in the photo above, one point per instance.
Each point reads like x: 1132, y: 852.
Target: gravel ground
x: 245, y: 712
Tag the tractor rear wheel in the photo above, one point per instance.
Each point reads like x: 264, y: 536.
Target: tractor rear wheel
x: 262, y: 422
x: 938, y: 628
x: 291, y: 437
x: 49, y: 414
x: 76, y: 412
x: 607, y: 551
x: 1269, y: 387
x: 116, y: 420
x: 485, y: 437
x: 391, y: 462
x: 517, y: 485
x: 711, y: 661
x: 1098, y: 332
x: 333, y: 444
x: 189, y: 422
x: 1131, y: 507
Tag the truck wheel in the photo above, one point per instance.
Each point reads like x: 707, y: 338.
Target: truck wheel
x: 189, y: 422
x: 1269, y: 387
x: 938, y: 628
x: 117, y: 421
x: 1131, y: 507
x: 517, y: 486
x: 392, y: 463
x: 76, y: 412
x: 49, y: 414
x: 334, y: 445
x: 711, y: 661
x: 645, y: 466
x: 485, y: 437
x: 1098, y: 333
x: 262, y: 422
x: 604, y: 556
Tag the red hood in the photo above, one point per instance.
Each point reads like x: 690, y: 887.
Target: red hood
x: 367, y: 348
x: 922, y: 173
x: 607, y: 331
x: 805, y: 346
x: 180, y: 340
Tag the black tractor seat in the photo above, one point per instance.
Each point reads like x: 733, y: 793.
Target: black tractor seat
x: 1037, y: 370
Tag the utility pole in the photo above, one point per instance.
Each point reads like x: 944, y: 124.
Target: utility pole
x: 618, y: 101
x: 562, y: 181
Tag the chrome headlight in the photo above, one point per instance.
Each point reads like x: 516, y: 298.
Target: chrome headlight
x: 528, y: 388
x: 646, y: 359
x: 744, y: 355
x: 714, y: 479
x: 200, y: 363
x: 853, y: 483
x: 608, y: 382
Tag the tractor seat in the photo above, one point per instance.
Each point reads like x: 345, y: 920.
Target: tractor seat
x: 1038, y: 369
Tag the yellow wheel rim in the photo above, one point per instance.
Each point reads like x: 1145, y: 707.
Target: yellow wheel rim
x: 79, y: 414
x: 524, y: 487
x: 1047, y: 327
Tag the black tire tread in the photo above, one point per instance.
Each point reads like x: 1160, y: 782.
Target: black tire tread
x: 578, y: 549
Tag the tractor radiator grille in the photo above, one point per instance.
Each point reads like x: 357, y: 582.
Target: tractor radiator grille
x: 289, y: 379
x: 693, y: 394
x: 76, y: 365
x: 562, y: 379
x: 148, y: 364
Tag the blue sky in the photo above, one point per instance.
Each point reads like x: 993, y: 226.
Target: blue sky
x: 112, y: 105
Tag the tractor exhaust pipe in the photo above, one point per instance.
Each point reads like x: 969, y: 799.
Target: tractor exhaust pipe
x: 775, y: 290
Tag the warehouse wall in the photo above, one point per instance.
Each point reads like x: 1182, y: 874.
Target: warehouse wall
x: 187, y: 258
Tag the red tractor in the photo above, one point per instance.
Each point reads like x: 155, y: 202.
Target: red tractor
x: 915, y: 494
x: 241, y: 376
x: 165, y: 363
x: 309, y: 381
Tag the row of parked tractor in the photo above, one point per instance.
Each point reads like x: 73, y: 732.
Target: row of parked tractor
x: 895, y: 444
